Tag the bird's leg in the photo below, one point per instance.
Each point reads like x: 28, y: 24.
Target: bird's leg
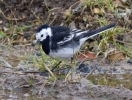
x: 70, y: 71
x: 72, y: 67
x: 72, y: 59
x: 44, y: 73
x: 56, y: 66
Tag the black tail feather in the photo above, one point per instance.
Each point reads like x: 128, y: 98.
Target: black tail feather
x: 100, y: 30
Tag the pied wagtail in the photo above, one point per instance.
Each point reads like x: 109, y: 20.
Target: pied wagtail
x: 63, y: 42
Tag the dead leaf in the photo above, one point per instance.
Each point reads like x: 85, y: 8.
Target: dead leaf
x: 116, y: 56
x: 96, y: 10
x: 89, y: 55
x: 37, y: 23
x: 81, y: 57
x: 81, y: 26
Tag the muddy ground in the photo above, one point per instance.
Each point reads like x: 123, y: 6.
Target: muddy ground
x: 18, y: 70
x: 19, y: 75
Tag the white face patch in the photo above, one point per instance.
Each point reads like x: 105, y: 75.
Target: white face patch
x: 43, y: 34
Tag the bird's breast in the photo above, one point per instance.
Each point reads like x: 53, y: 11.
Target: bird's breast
x: 64, y: 53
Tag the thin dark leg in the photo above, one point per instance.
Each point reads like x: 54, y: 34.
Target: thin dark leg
x: 72, y: 59
x: 56, y: 66
x: 45, y: 72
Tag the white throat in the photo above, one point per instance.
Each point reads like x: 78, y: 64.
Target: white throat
x: 43, y: 34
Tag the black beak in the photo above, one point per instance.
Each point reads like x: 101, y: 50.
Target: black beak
x: 35, y: 42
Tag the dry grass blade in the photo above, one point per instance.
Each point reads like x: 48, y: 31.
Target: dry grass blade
x: 42, y: 87
x: 5, y: 79
x: 49, y: 70
x: 31, y: 3
x: 68, y: 75
x: 124, y: 42
x: 91, y: 72
x: 15, y: 19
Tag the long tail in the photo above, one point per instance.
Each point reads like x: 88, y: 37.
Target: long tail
x: 86, y: 35
x: 98, y: 31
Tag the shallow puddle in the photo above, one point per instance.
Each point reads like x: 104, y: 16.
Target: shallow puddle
x: 22, y: 94
x: 115, y: 80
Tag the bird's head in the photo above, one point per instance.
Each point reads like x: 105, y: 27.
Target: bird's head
x: 43, y: 32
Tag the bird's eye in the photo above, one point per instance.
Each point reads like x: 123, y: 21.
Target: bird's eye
x: 41, y: 35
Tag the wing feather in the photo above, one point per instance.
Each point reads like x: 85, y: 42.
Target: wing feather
x: 63, y: 35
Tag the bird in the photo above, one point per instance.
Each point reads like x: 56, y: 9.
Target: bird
x: 63, y: 42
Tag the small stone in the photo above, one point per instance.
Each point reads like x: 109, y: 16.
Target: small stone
x: 44, y: 73
x: 130, y: 61
x: 84, y: 68
x: 27, y: 35
x: 1, y: 22
x: 5, y: 29
x: 13, y: 96
x: 84, y: 82
x: 101, y: 70
x: 26, y: 95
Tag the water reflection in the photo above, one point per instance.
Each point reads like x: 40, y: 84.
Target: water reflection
x: 21, y: 95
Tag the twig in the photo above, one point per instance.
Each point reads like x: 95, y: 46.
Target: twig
x: 53, y: 20
x: 5, y: 79
x: 31, y: 72
x: 69, y: 73
x: 10, y: 18
x: 55, y: 8
x: 70, y: 70
x: 123, y: 42
x: 12, y: 72
x: 48, y: 70
x: 91, y: 72
x: 81, y: 62
x: 56, y: 66
x: 30, y: 3
x: 22, y: 41
x: 35, y: 16
x: 45, y: 84
x: 14, y: 17
x: 42, y: 87
x: 83, y: 54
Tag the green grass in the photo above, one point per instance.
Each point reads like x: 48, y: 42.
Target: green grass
x: 2, y: 34
x: 125, y: 49
x: 13, y: 33
x: 22, y: 28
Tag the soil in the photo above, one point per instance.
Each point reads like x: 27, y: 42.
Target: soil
x: 19, y: 75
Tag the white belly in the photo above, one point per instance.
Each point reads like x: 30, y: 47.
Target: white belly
x: 64, y: 53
